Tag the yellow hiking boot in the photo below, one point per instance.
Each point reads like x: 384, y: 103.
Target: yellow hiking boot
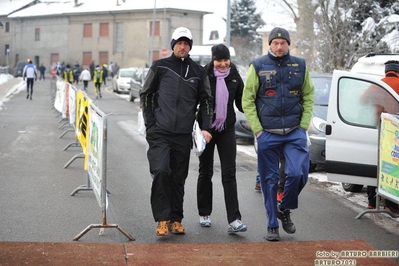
x: 176, y: 228
x: 162, y: 228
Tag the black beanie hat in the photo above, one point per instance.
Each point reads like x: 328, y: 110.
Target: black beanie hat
x: 279, y: 33
x: 392, y: 65
x: 220, y: 51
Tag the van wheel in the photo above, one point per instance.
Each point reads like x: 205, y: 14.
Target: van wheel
x: 352, y: 187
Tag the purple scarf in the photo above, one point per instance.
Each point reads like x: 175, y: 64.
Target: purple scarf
x: 222, y: 97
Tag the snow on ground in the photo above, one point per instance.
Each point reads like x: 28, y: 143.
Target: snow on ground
x: 4, y: 78
x: 6, y: 92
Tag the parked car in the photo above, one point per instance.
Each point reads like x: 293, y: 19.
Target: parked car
x: 352, y: 125
x: 316, y: 131
x: 136, y: 83
x: 242, y: 128
x: 322, y: 83
x: 121, y: 80
x: 19, y: 68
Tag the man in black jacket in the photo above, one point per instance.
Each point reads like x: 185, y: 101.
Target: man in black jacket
x: 173, y: 89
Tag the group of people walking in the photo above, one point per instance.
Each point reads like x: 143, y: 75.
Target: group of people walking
x: 277, y: 99
x: 96, y: 73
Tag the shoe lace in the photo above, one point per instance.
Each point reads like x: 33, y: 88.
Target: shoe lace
x: 272, y: 230
x: 236, y: 224
x: 163, y: 225
x: 286, y: 216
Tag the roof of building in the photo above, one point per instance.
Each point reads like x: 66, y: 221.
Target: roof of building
x: 68, y: 7
x: 7, y: 7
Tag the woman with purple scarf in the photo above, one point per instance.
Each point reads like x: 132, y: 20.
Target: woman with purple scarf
x: 227, y: 87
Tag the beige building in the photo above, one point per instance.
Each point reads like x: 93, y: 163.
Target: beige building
x: 93, y: 30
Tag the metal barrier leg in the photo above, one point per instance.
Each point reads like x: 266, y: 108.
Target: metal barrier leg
x: 377, y: 210
x: 72, y: 144
x: 103, y: 226
x: 80, y: 155
x: 66, y: 131
x: 65, y: 124
x: 83, y: 187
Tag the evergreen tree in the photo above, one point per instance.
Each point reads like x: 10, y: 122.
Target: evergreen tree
x: 244, y: 21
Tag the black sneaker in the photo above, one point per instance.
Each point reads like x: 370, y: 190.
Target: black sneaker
x: 27, y: 96
x: 288, y: 225
x: 272, y: 234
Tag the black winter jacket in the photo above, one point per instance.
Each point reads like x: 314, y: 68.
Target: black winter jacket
x: 171, y: 93
x: 235, y: 86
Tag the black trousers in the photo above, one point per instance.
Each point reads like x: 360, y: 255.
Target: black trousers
x: 29, y: 85
x: 169, y: 157
x: 227, y: 149
x: 85, y: 83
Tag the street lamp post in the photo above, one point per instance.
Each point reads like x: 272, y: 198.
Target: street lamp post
x: 228, y: 24
x: 152, y: 33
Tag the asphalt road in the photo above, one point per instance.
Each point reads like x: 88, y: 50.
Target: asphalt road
x: 35, y: 189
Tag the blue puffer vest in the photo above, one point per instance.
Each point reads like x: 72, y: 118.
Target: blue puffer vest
x: 278, y: 101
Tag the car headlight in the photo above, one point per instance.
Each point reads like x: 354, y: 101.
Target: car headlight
x: 319, y: 124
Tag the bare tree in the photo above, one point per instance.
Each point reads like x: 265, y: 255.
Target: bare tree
x: 302, y: 12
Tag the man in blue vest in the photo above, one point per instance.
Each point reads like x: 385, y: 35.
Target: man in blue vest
x: 278, y: 103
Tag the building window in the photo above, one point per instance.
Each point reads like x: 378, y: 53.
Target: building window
x: 155, y: 55
x: 214, y: 35
x: 55, y: 58
x: 103, y: 58
x: 157, y: 29
x: 119, y: 37
x: 37, y: 34
x: 7, y: 26
x: 86, y: 58
x: 104, y: 32
x: 87, y: 30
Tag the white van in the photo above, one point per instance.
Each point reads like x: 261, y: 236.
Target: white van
x: 351, y: 131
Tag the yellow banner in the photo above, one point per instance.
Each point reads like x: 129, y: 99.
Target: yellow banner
x: 82, y: 122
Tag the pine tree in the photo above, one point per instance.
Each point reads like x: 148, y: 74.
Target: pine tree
x: 244, y: 21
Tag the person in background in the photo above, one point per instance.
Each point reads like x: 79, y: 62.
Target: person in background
x: 382, y: 103
x: 226, y: 87
x: 42, y: 70
x: 110, y: 69
x: 58, y: 69
x: 115, y: 68
x: 92, y: 67
x: 68, y: 74
x: 76, y: 72
x: 98, y: 80
x: 278, y: 102
x: 105, y: 72
x: 85, y: 77
x: 173, y: 88
x: 30, y: 74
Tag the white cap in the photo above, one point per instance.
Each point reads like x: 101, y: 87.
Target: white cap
x: 181, y: 32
